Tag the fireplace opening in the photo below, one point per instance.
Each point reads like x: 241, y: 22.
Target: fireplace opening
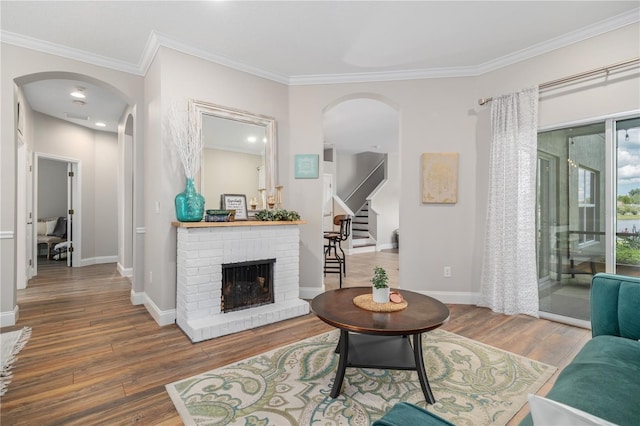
x: 247, y: 284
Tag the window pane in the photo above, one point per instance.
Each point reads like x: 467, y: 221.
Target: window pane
x: 628, y: 197
x: 574, y: 208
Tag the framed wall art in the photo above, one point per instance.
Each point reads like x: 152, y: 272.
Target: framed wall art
x: 306, y: 166
x: 440, y: 178
x: 237, y: 202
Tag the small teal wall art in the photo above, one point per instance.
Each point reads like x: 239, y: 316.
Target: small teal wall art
x: 306, y: 166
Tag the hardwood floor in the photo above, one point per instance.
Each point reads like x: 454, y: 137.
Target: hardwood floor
x: 94, y: 358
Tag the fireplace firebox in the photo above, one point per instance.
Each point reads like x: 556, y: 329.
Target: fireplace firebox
x: 247, y: 284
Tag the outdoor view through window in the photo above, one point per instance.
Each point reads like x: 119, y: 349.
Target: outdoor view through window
x: 576, y: 236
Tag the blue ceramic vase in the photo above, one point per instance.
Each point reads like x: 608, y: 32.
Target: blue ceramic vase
x: 189, y: 204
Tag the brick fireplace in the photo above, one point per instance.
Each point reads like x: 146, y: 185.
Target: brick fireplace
x: 203, y: 249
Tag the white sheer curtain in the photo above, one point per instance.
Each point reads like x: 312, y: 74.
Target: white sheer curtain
x: 509, y: 274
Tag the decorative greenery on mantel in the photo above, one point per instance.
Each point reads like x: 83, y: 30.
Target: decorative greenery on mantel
x: 277, y: 215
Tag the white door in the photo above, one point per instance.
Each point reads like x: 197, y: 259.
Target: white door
x: 31, y: 222
x: 71, y: 182
x: 327, y: 202
x: 22, y: 230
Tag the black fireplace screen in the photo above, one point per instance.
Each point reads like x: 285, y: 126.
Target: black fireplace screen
x: 247, y: 284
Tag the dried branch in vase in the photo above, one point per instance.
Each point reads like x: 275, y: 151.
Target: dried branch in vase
x: 185, y: 135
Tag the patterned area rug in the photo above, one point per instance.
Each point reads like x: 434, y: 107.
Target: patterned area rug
x: 10, y: 344
x: 474, y: 384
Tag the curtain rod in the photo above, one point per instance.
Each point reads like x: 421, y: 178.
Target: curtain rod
x: 579, y: 76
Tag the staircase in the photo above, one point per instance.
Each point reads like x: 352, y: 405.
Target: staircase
x: 360, y: 236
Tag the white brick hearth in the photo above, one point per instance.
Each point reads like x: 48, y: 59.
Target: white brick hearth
x: 203, y: 249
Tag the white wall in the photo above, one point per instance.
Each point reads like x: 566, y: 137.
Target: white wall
x: 176, y: 77
x: 97, y: 153
x: 443, y: 115
x: 352, y: 168
x: 386, y: 204
x: 436, y: 115
x: 19, y: 66
x: 105, y: 196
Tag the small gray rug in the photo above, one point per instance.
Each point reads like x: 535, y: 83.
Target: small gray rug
x: 11, y: 343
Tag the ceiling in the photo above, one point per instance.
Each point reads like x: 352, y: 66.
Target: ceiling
x: 300, y: 42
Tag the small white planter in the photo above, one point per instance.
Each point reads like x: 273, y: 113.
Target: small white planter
x: 381, y: 295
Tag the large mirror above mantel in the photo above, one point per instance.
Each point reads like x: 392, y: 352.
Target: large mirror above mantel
x: 239, y: 153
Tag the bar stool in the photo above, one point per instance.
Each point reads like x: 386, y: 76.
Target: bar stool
x: 334, y: 261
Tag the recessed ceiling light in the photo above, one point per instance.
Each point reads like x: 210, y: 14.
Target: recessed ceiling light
x: 251, y: 139
x: 79, y: 93
x: 101, y: 124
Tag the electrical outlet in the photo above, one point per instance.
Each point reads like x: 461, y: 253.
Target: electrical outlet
x: 447, y: 271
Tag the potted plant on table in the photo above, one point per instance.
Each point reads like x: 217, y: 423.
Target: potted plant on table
x: 380, y: 283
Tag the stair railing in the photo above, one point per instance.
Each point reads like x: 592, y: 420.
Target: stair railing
x: 358, y: 197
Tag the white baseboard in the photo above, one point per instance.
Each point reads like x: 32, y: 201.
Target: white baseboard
x: 97, y: 260
x: 161, y: 317
x: 565, y: 320
x: 309, y: 293
x: 360, y: 249
x: 9, y: 318
x: 388, y: 246
x: 458, y: 298
x: 137, y: 298
x: 453, y: 297
x: 125, y: 272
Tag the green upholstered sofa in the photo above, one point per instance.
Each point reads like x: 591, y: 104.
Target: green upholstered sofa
x: 405, y: 414
x: 603, y: 379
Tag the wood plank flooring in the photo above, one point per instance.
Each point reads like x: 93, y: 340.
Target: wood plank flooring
x: 94, y: 358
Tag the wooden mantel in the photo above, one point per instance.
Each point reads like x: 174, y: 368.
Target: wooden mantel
x: 235, y: 223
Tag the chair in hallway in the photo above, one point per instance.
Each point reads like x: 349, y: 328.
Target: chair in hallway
x: 334, y: 256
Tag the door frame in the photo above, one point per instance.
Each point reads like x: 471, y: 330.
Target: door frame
x: 76, y: 198
x: 552, y: 212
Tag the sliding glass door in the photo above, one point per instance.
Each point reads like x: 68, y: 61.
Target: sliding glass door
x: 627, y: 241
x: 580, y: 173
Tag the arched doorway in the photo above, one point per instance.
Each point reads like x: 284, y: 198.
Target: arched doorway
x: 70, y: 132
x: 362, y: 170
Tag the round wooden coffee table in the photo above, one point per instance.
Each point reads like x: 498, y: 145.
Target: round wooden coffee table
x: 380, y: 340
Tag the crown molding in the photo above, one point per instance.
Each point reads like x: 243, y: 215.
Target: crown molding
x: 369, y: 77
x: 565, y: 40
x: 156, y: 40
x: 67, y: 52
x: 585, y: 33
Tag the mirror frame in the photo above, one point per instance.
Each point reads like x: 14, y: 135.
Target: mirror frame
x: 199, y: 108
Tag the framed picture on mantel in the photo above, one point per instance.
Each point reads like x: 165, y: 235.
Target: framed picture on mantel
x: 237, y: 202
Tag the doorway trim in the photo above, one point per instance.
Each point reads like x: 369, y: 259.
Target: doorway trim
x: 76, y: 166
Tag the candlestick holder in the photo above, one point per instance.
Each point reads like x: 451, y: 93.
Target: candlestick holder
x: 279, y: 196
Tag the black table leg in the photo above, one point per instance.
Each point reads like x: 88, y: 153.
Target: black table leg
x: 342, y: 364
x: 422, y: 374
